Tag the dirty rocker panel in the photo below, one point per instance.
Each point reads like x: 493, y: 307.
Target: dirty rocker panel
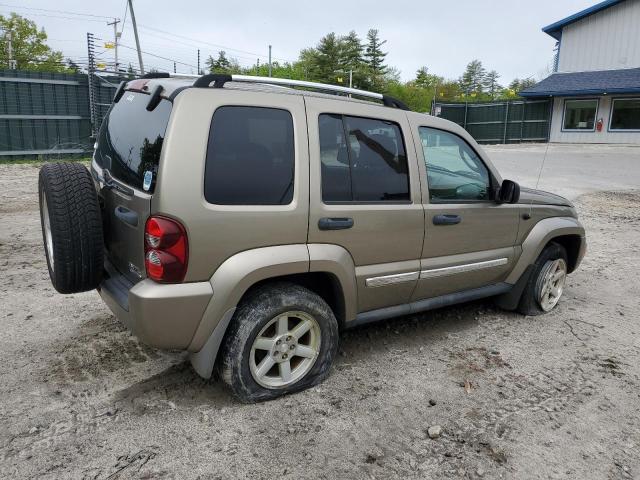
x: 430, y: 304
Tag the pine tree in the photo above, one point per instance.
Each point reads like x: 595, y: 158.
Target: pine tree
x: 491, y: 84
x: 374, y: 57
x: 472, y: 80
x: 352, y: 60
x: 328, y: 58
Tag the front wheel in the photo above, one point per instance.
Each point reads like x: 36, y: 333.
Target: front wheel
x: 282, y: 339
x: 546, y: 284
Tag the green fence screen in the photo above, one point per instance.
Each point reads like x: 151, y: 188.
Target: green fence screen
x: 514, y: 121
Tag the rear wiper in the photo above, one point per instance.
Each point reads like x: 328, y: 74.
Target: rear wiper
x: 109, y: 183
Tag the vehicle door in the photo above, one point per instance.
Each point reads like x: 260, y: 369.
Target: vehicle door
x: 365, y: 195
x: 469, y: 238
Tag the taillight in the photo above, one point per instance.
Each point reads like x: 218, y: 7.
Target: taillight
x: 166, y: 250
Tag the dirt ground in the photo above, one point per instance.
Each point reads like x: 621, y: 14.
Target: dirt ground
x: 556, y: 396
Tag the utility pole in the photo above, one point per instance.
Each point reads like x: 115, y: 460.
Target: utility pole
x: 269, y: 60
x: 12, y: 62
x: 351, y: 78
x: 135, y: 33
x: 116, y: 37
x: 199, y: 62
x: 174, y: 67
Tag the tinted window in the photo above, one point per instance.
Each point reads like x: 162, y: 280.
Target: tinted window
x: 130, y: 139
x: 454, y: 171
x: 363, y: 160
x: 625, y: 114
x: 580, y: 114
x: 250, y: 157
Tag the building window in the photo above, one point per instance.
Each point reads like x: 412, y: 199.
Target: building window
x: 250, y: 157
x: 625, y: 114
x: 580, y: 114
x: 363, y: 160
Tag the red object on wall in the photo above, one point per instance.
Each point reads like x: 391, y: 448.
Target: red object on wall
x: 599, y: 125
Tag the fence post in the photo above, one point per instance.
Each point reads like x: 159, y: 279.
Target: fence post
x: 466, y: 109
x: 90, y: 84
x: 524, y: 105
x: 506, y: 122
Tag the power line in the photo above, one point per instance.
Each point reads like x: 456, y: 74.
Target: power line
x: 210, y: 44
x: 61, y: 17
x: 66, y: 12
x: 158, y: 56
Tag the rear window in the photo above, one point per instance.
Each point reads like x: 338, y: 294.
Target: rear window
x: 130, y: 140
x: 250, y: 157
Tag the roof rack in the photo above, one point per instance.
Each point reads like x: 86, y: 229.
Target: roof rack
x: 218, y: 80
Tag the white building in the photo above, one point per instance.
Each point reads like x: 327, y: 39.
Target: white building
x: 596, y: 81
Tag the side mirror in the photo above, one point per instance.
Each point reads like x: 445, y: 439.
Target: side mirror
x: 509, y: 192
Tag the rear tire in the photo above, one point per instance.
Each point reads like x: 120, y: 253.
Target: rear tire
x: 264, y: 359
x: 537, y: 297
x: 71, y: 227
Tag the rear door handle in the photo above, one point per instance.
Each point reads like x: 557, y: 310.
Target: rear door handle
x: 335, y: 223
x: 446, y: 219
x: 127, y: 216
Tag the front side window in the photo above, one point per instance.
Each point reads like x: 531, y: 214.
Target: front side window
x: 454, y: 171
x: 363, y: 160
x: 625, y: 114
x: 250, y: 157
x: 580, y: 114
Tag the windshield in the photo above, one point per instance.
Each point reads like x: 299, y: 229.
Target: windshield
x: 130, y: 140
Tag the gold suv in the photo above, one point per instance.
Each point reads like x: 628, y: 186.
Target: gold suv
x: 248, y: 220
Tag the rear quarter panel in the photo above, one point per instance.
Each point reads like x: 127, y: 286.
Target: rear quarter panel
x: 216, y: 232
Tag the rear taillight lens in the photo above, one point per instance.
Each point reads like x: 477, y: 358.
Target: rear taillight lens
x: 166, y: 250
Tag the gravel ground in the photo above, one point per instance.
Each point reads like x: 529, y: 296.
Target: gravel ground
x: 555, y: 396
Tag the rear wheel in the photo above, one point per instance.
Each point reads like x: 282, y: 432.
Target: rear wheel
x: 546, y: 284
x: 283, y: 339
x: 71, y: 227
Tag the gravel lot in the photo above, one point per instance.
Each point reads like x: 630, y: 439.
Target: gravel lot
x: 556, y: 396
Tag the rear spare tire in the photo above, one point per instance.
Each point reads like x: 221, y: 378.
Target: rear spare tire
x: 71, y: 227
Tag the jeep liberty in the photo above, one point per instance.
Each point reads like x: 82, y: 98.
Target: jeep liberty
x: 247, y: 221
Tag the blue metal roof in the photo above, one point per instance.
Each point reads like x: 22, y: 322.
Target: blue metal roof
x: 608, y: 82
x: 555, y: 29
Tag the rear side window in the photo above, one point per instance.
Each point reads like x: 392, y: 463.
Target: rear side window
x: 363, y: 160
x: 130, y: 140
x: 250, y: 157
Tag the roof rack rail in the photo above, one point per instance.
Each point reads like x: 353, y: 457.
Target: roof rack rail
x: 218, y: 80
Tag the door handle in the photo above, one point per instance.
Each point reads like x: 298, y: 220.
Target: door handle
x: 446, y: 219
x: 127, y: 216
x: 335, y: 223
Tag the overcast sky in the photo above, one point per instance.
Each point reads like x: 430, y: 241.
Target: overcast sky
x: 443, y: 35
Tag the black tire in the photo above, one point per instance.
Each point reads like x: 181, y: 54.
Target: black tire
x: 67, y: 192
x: 528, y: 302
x: 254, y: 313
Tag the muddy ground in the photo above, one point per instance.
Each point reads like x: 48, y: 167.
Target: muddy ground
x: 556, y: 396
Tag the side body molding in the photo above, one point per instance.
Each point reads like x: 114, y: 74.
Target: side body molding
x: 544, y: 231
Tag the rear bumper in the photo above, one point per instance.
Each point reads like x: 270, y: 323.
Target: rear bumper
x: 160, y: 315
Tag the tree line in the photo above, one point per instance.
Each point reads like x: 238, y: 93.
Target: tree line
x: 345, y: 60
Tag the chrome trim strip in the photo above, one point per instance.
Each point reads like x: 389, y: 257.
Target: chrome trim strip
x: 469, y: 267
x: 391, y: 279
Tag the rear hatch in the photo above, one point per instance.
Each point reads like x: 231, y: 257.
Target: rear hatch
x: 125, y: 166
